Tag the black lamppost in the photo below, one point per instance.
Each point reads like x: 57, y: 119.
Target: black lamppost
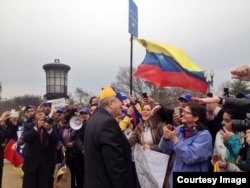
x: 209, y: 81
x: 56, y: 80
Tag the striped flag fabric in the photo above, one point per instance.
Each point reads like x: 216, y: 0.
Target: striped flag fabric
x: 167, y: 66
x: 61, y: 169
x: 13, y: 156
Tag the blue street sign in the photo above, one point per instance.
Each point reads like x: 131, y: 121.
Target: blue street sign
x: 133, y: 19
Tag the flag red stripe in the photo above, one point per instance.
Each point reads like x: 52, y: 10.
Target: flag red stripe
x: 161, y: 78
x: 13, y: 156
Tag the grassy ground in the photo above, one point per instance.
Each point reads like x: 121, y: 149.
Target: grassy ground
x: 11, y: 176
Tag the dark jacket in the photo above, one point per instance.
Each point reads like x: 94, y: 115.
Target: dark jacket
x: 79, y: 143
x: 237, y: 104
x: 246, y: 167
x: 37, y: 153
x: 69, y: 151
x: 7, y: 131
x: 107, y: 153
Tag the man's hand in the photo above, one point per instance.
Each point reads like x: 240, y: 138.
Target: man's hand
x: 155, y: 109
x: 63, y: 149
x: 69, y: 145
x: 47, y: 126
x: 4, y: 116
x: 241, y: 73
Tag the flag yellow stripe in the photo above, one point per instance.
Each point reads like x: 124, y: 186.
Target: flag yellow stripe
x: 179, y: 55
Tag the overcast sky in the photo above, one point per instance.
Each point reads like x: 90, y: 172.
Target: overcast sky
x: 91, y: 36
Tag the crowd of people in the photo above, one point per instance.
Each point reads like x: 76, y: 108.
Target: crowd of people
x: 208, y: 134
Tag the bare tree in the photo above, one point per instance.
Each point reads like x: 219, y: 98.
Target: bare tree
x: 71, y: 99
x: 18, y: 102
x: 82, y: 96
x: 123, y: 82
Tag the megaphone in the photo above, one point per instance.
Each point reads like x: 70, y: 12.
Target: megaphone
x: 75, y: 123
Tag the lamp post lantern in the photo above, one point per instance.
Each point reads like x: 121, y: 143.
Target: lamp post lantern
x: 209, y: 81
x: 56, y: 80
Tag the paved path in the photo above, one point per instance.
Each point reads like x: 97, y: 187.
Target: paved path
x: 11, y: 176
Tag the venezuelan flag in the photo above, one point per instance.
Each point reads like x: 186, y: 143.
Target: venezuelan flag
x: 165, y: 65
x: 61, y: 170
x: 13, y: 156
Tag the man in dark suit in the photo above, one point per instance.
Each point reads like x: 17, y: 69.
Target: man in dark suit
x: 107, y: 152
x: 40, y: 143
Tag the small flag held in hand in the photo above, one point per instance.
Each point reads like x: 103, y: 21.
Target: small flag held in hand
x: 62, y: 169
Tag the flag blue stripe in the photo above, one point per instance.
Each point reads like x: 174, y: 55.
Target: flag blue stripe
x: 168, y: 64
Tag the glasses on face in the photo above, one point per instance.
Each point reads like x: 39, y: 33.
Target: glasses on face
x: 186, y: 112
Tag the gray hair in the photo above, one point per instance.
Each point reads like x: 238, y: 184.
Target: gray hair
x: 104, y: 102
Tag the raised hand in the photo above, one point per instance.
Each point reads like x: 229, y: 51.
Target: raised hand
x: 241, y: 73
